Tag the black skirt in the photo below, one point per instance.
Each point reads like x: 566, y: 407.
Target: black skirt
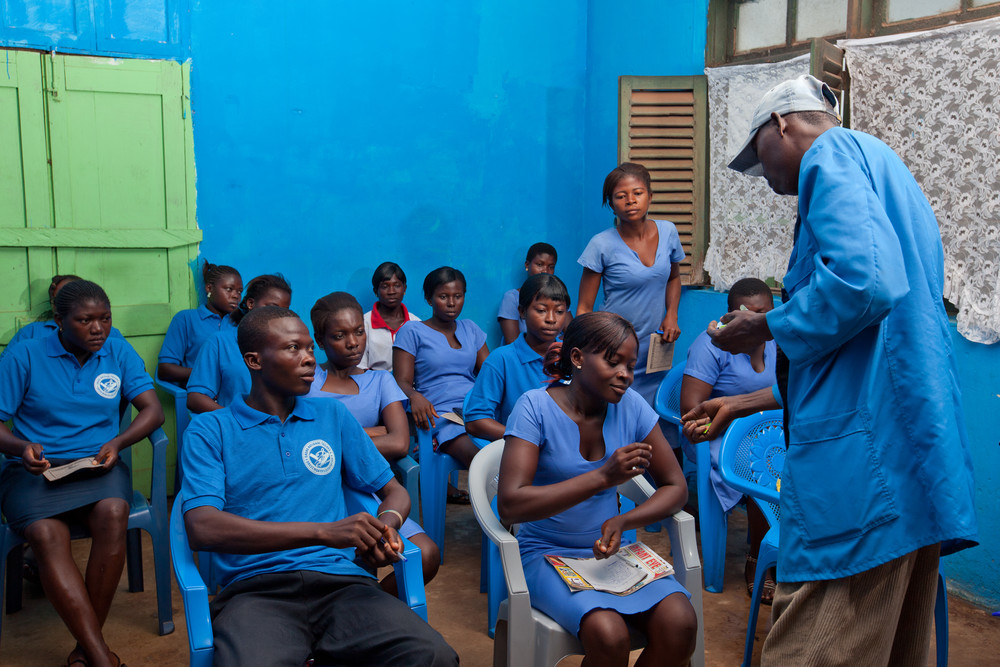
x: 26, y: 498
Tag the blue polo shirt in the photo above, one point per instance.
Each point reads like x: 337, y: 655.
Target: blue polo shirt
x: 188, y: 331
x: 219, y: 371
x: 507, y: 373
x: 71, y: 410
x: 33, y: 330
x: 246, y: 462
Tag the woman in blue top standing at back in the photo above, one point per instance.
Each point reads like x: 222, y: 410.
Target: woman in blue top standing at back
x: 189, y: 329
x: 63, y: 393
x: 219, y: 375
x: 638, y: 262
x: 436, y: 361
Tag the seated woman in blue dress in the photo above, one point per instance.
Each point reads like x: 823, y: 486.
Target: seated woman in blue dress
x: 436, y: 361
x: 48, y: 327
x: 567, y: 449
x: 189, y: 329
x: 711, y: 373
x: 62, y: 393
x: 372, y: 396
x: 219, y: 375
x: 513, y: 369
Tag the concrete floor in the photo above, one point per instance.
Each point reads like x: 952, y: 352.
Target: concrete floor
x: 35, y: 635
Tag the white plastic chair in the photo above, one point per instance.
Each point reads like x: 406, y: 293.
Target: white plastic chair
x: 526, y: 636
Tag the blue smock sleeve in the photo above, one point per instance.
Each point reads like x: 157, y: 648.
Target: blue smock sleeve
x: 857, y: 273
x: 207, y: 368
x: 676, y: 250
x: 388, y: 391
x: 478, y: 335
x: 777, y: 396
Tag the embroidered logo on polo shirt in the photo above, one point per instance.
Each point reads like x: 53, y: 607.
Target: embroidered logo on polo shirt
x: 107, y: 385
x: 318, y: 457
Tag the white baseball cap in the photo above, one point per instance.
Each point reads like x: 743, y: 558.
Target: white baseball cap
x: 806, y: 93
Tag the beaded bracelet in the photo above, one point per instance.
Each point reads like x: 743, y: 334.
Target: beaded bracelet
x: 390, y: 511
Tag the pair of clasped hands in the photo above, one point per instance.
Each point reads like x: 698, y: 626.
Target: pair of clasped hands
x: 624, y: 464
x: 34, y: 461
x: 377, y: 543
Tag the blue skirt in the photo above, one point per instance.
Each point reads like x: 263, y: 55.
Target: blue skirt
x: 26, y: 498
x: 550, y: 594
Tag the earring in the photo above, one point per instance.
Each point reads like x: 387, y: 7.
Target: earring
x: 210, y: 295
x: 579, y: 368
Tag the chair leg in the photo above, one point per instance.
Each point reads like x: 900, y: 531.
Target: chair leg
x: 133, y: 560
x: 496, y: 587
x: 14, y: 578
x: 713, y: 524
x: 161, y: 568
x: 766, y: 558
x: 941, y: 622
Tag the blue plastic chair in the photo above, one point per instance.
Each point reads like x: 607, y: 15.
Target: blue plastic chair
x: 181, y: 419
x: 667, y: 402
x: 435, y: 468
x: 407, y: 472
x: 194, y: 592
x: 751, y: 460
x: 149, y: 514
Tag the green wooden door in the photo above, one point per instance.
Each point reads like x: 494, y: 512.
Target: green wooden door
x: 119, y: 191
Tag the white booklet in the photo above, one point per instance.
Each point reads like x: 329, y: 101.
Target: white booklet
x: 661, y: 355
x: 634, y: 566
x: 59, y: 472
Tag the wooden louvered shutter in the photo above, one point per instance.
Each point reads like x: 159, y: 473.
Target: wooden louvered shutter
x: 663, y: 126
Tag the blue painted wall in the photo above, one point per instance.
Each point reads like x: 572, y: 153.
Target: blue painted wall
x: 428, y: 134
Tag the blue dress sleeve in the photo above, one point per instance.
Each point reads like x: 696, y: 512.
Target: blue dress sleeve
x: 509, y: 306
x: 388, y: 391
x: 857, y: 274
x: 478, y: 335
x: 675, y: 249
x: 594, y: 256
x: 704, y: 360
x: 637, y: 412
x: 407, y: 339
x: 525, y: 420
x: 174, y: 344
x: 206, y: 370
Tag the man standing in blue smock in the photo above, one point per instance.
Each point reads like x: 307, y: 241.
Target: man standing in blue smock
x: 877, y: 481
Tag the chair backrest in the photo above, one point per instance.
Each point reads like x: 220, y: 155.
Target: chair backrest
x: 752, y: 457
x: 668, y: 395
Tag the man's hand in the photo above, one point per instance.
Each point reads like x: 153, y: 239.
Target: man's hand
x: 361, y: 531
x: 386, y: 550
x: 707, y: 420
x: 744, y: 331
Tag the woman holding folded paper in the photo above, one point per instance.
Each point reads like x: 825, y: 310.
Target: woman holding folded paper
x: 567, y: 448
x: 638, y: 263
x: 63, y: 393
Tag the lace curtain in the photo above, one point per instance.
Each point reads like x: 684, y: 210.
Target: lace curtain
x: 932, y: 97
x: 750, y: 226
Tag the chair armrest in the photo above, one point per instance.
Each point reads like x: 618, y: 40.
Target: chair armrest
x: 158, y: 474
x: 684, y: 545
x: 410, y: 579
x: 189, y: 581
x: 404, y: 465
x: 174, y: 390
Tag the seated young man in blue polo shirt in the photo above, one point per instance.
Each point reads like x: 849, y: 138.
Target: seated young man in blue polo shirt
x: 263, y: 487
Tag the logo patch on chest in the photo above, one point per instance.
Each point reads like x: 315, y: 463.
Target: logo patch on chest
x: 107, y: 385
x: 318, y: 457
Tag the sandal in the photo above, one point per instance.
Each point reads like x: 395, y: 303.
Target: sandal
x: 458, y: 497
x: 767, y: 588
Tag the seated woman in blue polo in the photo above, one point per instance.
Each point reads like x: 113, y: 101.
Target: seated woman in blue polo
x: 63, y: 393
x: 219, y: 375
x: 47, y: 327
x: 189, y: 329
x: 513, y: 369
